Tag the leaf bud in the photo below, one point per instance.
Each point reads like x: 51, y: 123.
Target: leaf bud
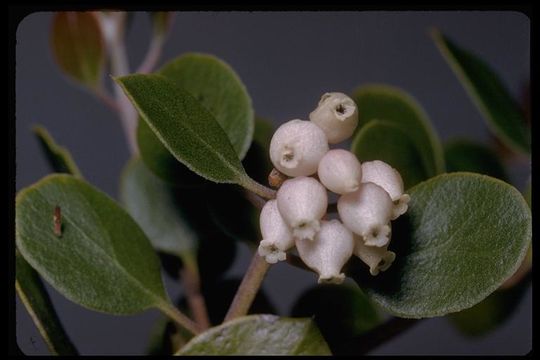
x: 276, y: 178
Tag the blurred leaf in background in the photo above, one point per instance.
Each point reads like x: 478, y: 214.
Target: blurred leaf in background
x: 500, y: 110
x: 78, y: 46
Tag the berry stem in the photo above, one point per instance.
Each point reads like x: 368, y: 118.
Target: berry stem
x: 179, y: 318
x: 191, y: 281
x: 258, y: 189
x: 248, y: 288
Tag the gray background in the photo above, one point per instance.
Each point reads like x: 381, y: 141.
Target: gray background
x: 286, y: 60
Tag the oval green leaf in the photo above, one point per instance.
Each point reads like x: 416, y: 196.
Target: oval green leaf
x: 228, y: 206
x: 492, y: 312
x: 33, y: 295
x: 102, y: 260
x: 159, y: 340
x: 257, y: 161
x: 488, y: 92
x: 232, y: 212
x: 340, y: 311
x: 59, y: 157
x: 463, y: 235
x: 259, y: 335
x: 151, y: 202
x: 161, y: 162
x: 221, y: 92
x: 185, y: 127
x: 384, y: 140
x: 219, y: 89
x: 527, y: 192
x: 466, y: 155
x: 78, y: 46
x: 388, y: 103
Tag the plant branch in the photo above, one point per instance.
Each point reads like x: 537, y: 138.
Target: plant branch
x: 153, y: 54
x: 191, y: 281
x: 113, y: 30
x: 106, y: 98
x: 248, y: 288
x: 179, y: 318
x: 258, y: 189
x: 254, y: 199
x: 364, y: 343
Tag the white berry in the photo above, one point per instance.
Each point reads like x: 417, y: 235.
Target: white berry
x: 277, y: 237
x: 331, y: 249
x: 366, y: 212
x: 302, y: 202
x: 377, y: 258
x: 296, y: 148
x: 340, y: 171
x: 336, y: 115
x: 384, y: 175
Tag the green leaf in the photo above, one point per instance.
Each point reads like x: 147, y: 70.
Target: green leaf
x: 219, y: 89
x: 162, y: 21
x: 161, y: 162
x: 257, y: 161
x: 186, y: 128
x: 527, y: 192
x: 491, y: 312
x: 388, y: 103
x: 487, y: 91
x: 78, y: 46
x: 221, y: 92
x: 102, y: 260
x: 463, y: 235
x: 33, y: 295
x: 151, y: 202
x: 159, y: 340
x: 228, y: 206
x: 165, y: 338
x: 233, y: 213
x: 340, y: 311
x: 466, y: 155
x: 215, y: 250
x: 218, y: 295
x: 259, y: 335
x: 59, y: 157
x: 264, y: 130
x: 384, y: 140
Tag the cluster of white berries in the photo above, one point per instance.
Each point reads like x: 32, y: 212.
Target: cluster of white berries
x: 371, y: 195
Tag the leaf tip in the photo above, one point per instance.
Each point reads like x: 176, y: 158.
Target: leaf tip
x: 117, y: 79
x: 435, y: 33
x: 38, y: 129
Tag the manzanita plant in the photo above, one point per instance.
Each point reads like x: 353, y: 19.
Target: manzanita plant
x: 420, y: 229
